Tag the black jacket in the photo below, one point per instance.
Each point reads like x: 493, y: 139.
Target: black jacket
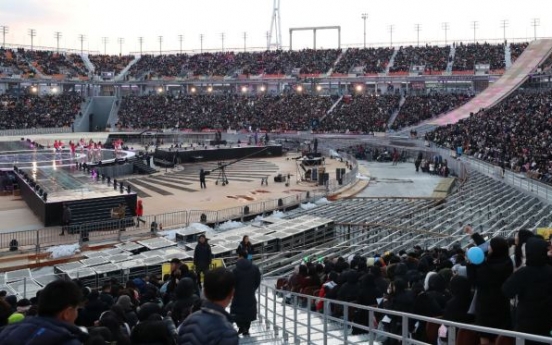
x: 457, y: 307
x: 208, y: 326
x: 532, y: 285
x: 492, y: 307
x: 244, y: 303
x: 202, y: 255
x: 42, y: 331
x: 245, y: 249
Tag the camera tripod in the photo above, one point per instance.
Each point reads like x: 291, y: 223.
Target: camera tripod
x: 222, y: 176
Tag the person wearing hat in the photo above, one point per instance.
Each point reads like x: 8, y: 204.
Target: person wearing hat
x: 202, y: 257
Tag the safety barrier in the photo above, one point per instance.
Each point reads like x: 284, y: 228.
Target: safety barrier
x: 290, y: 317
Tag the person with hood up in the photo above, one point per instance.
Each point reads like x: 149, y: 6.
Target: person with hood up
x: 202, y: 257
x: 532, y: 285
x: 350, y: 289
x: 436, y: 288
x: 130, y: 315
x: 492, y: 307
x: 244, y: 303
x: 368, y: 295
x: 458, y: 306
x: 185, y: 301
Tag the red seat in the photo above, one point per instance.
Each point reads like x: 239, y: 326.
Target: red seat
x: 467, y: 337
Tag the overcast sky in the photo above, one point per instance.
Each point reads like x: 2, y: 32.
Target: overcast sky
x: 130, y: 19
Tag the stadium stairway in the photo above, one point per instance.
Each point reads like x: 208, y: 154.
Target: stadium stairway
x: 331, y: 108
x: 89, y: 65
x: 90, y: 211
x: 336, y: 62
x: 396, y: 112
x: 121, y: 76
x: 451, y: 58
x: 507, y: 56
x: 515, y: 76
x: 392, y: 60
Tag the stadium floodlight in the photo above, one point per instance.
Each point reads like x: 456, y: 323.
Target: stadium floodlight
x: 503, y: 25
x: 32, y: 33
x: 445, y: 26
x: 120, y: 40
x: 81, y: 39
x: 534, y: 23
x: 358, y: 88
x: 318, y: 88
x: 391, y: 28
x: 364, y: 17
x: 141, y: 41
x: 54, y: 90
x: 244, y: 42
x: 192, y: 89
x: 201, y: 43
x: 105, y: 40
x: 34, y: 89
x: 222, y: 39
x: 474, y: 25
x: 160, y: 89
x: 299, y: 88
x: 209, y: 89
x: 244, y: 89
x: 418, y: 28
x: 57, y: 36
x: 262, y: 88
x: 5, y: 29
x: 160, y: 38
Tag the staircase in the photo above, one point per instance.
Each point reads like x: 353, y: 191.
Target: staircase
x: 121, y: 76
x: 396, y: 112
x: 88, y: 63
x: 336, y: 62
x: 507, y: 56
x: 141, y: 168
x: 451, y: 56
x: 86, y: 212
x: 331, y: 108
x: 392, y: 60
x: 81, y: 122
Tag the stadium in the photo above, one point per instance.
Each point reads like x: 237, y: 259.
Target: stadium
x: 338, y: 186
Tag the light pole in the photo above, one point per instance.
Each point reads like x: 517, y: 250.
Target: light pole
x: 81, y: 39
x: 5, y: 30
x: 222, y: 40
x: 160, y: 38
x: 104, y: 41
x: 391, y: 28
x: 503, y: 25
x: 267, y: 35
x: 201, y: 43
x: 32, y: 33
x: 475, y: 25
x: 120, y: 40
x: 364, y: 17
x: 244, y: 42
x: 445, y: 26
x: 57, y: 36
x: 534, y: 23
x: 141, y: 41
x: 418, y: 28
x: 180, y: 39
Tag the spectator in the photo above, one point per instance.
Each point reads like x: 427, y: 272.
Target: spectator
x: 244, y: 303
x: 371, y: 60
x: 532, y: 285
x: 202, y: 257
x: 110, y: 63
x: 57, y: 311
x: 211, y: 324
x: 516, y: 49
x: 468, y: 55
x: 432, y: 58
x: 245, y: 248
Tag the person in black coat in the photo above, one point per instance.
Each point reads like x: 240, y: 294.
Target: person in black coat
x: 245, y: 248
x: 457, y: 307
x: 202, y: 257
x: 532, y: 285
x: 244, y: 304
x: 492, y: 307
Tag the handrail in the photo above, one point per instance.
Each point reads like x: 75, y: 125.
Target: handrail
x: 277, y: 320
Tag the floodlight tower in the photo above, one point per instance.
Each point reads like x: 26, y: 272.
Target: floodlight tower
x: 445, y: 26
x: 418, y: 28
x: 57, y: 36
x: 503, y: 25
x: 534, y: 23
x: 364, y: 17
x: 474, y: 25
x: 105, y: 40
x: 141, y: 41
x: 391, y: 28
x: 81, y: 39
x: 120, y: 40
x: 180, y: 39
x: 32, y: 33
x: 275, y: 28
x: 5, y: 29
x: 160, y: 38
x: 244, y: 42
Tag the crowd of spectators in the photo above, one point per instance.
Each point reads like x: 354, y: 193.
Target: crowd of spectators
x: 13, y: 63
x: 52, y: 63
x: 228, y: 111
x: 516, y: 49
x: 30, y: 111
x: 419, y: 108
x: 439, y: 283
x: 372, y: 60
x: 361, y: 114
x: 516, y: 134
x: 110, y: 63
x: 468, y: 55
x: 158, y: 66
x: 434, y: 58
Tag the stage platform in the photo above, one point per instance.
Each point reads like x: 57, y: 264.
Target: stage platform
x: 190, y: 154
x: 48, y: 178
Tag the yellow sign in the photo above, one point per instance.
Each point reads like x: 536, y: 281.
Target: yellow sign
x: 544, y: 232
x: 216, y: 263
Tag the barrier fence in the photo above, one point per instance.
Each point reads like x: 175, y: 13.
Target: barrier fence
x: 290, y: 316
x: 110, y: 230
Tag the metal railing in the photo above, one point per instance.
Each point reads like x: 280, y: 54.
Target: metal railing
x: 292, y: 319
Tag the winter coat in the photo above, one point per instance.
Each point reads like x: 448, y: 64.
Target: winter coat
x: 457, y: 307
x: 244, y: 303
x: 350, y: 290
x: 42, y: 331
x: 202, y: 256
x: 532, y: 284
x: 492, y: 307
x: 245, y: 249
x: 209, y: 326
